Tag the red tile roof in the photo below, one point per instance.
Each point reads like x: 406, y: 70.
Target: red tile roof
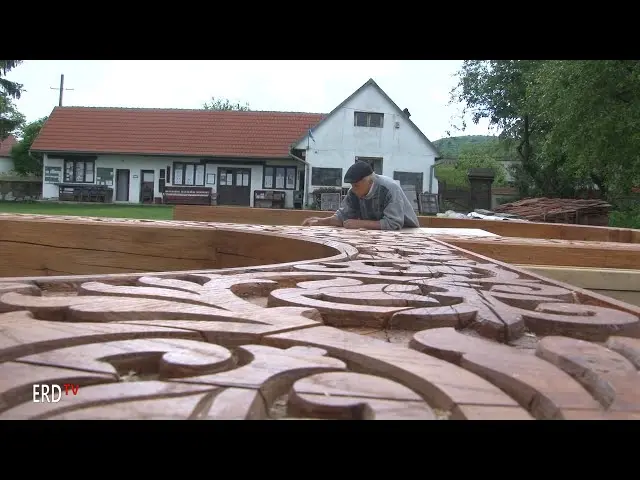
x: 6, y: 145
x: 173, y: 132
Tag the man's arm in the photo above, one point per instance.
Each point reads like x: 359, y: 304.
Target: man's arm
x: 347, y: 211
x: 393, y: 214
x: 343, y: 214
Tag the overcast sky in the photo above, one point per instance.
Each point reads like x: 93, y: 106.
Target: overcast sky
x: 422, y: 86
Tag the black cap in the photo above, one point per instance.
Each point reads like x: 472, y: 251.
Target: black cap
x: 357, y: 172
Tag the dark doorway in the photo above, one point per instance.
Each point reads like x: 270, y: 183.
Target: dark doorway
x: 147, y: 185
x: 301, y: 180
x: 122, y: 185
x: 234, y: 186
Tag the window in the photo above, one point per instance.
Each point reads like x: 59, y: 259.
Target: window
x: 374, y: 162
x: 368, y: 119
x: 281, y: 178
x: 188, y: 174
x: 409, y: 178
x: 326, y: 177
x: 79, y: 171
x: 161, y: 181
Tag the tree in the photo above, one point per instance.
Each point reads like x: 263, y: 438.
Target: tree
x: 575, y: 122
x: 592, y: 108
x: 497, y: 90
x: 10, y: 119
x: 28, y: 163
x: 225, y: 104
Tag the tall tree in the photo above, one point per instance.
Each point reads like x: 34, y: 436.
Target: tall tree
x: 10, y: 119
x: 27, y: 163
x: 592, y: 108
x: 502, y: 91
x: 225, y: 104
x: 497, y: 90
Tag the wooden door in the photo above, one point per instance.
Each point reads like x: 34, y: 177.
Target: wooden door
x: 234, y: 186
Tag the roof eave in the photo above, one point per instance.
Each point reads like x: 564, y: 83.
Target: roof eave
x: 61, y: 151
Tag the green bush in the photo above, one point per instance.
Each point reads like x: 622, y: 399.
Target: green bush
x: 627, y: 218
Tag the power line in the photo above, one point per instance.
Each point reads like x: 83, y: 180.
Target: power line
x: 61, y: 89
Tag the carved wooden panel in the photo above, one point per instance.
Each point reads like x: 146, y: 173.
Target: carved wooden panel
x: 407, y: 327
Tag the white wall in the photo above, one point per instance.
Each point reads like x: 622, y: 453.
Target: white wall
x: 338, y: 141
x: 137, y: 163
x: 131, y: 162
x: 6, y: 164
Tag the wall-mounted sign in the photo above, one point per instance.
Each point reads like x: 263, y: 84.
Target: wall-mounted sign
x: 52, y: 174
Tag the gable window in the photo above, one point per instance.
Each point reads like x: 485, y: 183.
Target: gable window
x: 162, y: 181
x: 374, y: 162
x: 368, y: 119
x: 188, y: 174
x: 79, y: 171
x: 326, y: 177
x: 282, y: 178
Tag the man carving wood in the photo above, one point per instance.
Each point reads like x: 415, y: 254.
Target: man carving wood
x: 374, y: 202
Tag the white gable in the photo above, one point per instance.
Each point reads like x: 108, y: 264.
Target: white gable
x: 370, y: 99
x: 339, y: 139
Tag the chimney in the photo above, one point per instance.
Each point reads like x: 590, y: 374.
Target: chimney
x: 406, y: 112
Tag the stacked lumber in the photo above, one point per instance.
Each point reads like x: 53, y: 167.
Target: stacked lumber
x: 559, y: 210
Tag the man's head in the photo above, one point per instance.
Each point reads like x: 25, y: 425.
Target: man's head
x: 360, y: 176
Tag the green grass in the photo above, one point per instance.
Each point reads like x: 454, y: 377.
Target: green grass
x: 147, y: 212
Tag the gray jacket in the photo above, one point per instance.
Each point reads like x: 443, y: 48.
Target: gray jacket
x: 385, y: 202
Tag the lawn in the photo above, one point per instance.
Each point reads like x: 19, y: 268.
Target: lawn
x: 149, y: 212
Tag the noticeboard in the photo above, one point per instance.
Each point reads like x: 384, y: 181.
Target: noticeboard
x: 104, y: 176
x: 52, y: 174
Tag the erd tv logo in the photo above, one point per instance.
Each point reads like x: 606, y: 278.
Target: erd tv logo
x: 43, y: 393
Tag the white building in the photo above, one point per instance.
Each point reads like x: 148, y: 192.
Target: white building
x: 6, y: 162
x: 369, y: 126
x: 137, y: 153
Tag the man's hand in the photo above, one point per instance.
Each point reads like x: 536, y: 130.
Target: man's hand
x: 311, y: 221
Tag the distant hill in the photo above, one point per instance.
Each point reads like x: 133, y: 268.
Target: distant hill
x: 450, y: 146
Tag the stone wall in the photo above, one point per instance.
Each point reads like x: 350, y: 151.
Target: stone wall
x: 20, y: 188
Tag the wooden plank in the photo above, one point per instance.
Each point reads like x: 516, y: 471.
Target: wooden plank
x: 534, y: 251
x: 40, y: 246
x: 506, y: 228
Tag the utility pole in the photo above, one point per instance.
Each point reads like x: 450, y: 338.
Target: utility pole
x: 61, y: 88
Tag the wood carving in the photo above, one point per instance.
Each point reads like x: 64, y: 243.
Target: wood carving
x: 403, y: 326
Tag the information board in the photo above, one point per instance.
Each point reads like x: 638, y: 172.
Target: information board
x: 53, y: 174
x: 104, y: 176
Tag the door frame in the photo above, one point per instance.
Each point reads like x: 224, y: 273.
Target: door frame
x: 117, y: 189
x: 235, y: 170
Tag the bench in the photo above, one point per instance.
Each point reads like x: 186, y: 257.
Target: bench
x: 84, y: 193
x: 187, y: 195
